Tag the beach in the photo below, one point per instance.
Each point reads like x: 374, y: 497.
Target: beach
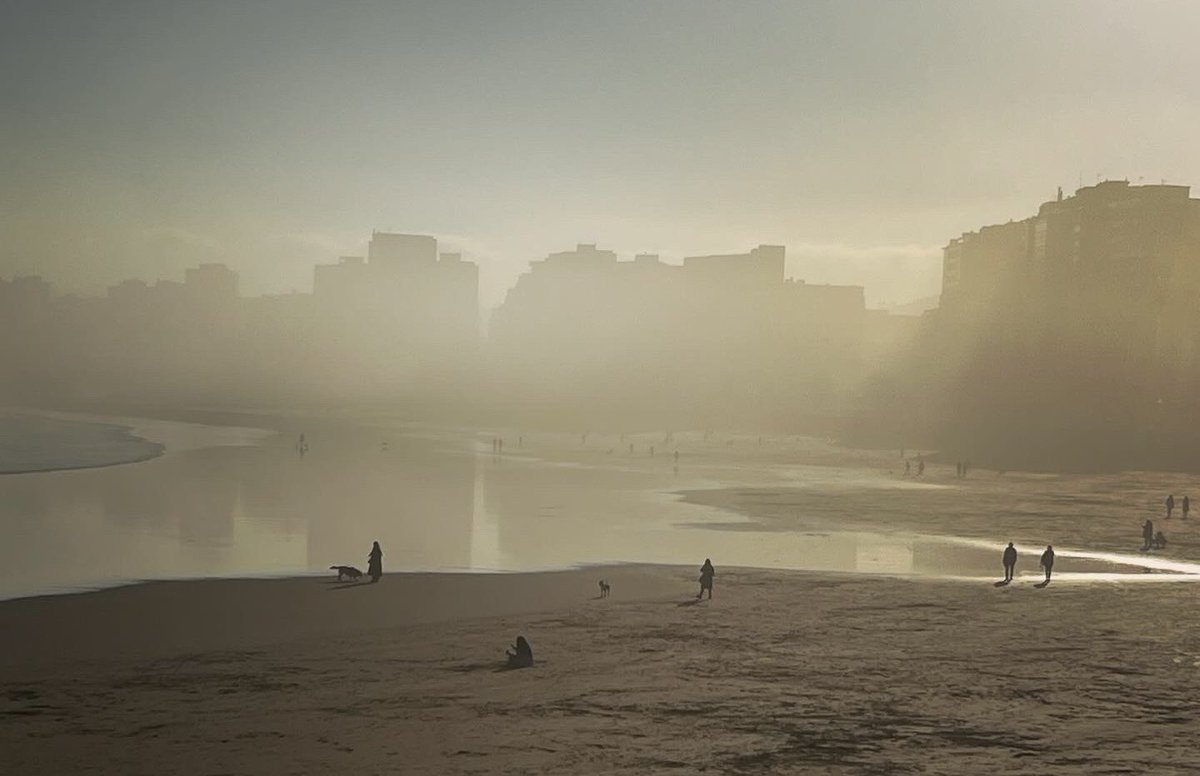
x: 780, y: 672
x: 855, y: 626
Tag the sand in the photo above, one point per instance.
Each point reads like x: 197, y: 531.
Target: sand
x: 781, y: 672
x: 42, y: 442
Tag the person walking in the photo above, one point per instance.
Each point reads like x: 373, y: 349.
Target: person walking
x: 1047, y: 561
x: 1010, y: 562
x: 1170, y: 505
x: 375, y: 562
x: 1187, y: 507
x: 707, y: 572
x: 1147, y: 535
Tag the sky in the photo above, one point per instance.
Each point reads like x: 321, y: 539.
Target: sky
x: 139, y: 138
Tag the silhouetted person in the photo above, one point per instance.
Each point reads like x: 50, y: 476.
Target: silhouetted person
x: 920, y: 467
x: 521, y: 655
x: 1187, y: 507
x: 1147, y: 535
x: 907, y: 468
x: 1047, y: 561
x: 1160, y: 541
x: 1170, y: 505
x: 520, y: 442
x: 375, y: 562
x: 958, y: 469
x: 301, y: 446
x: 1010, y: 562
x: 707, y: 572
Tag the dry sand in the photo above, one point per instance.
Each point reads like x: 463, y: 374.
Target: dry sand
x: 780, y: 672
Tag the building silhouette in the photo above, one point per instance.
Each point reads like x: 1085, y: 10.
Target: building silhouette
x: 1069, y: 337
x: 724, y: 337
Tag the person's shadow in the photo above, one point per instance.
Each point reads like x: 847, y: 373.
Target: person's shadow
x: 1002, y: 583
x: 1041, y: 585
x: 690, y: 602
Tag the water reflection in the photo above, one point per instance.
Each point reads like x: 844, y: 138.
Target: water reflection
x: 226, y: 504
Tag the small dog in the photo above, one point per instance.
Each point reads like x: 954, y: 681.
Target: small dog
x: 605, y: 589
x: 347, y: 572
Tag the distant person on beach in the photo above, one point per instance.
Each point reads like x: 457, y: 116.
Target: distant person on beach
x: 920, y: 467
x: 1047, y: 561
x: 1147, y: 535
x: 1160, y: 541
x: 958, y: 470
x: 1010, y: 562
x: 1187, y: 507
x: 1170, y: 505
x: 301, y: 446
x: 707, y: 572
x: 375, y: 562
x: 907, y: 468
x: 521, y: 655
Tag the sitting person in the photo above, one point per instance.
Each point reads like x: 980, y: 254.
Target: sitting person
x: 1160, y: 540
x: 521, y: 656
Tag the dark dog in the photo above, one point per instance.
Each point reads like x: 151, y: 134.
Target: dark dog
x: 347, y: 572
x: 605, y: 589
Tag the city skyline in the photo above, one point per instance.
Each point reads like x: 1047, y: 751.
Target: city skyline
x: 144, y: 138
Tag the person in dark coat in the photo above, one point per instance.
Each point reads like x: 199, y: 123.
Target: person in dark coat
x: 707, y: 572
x: 375, y: 563
x: 1010, y: 562
x: 1047, y: 561
x: 1147, y: 535
x: 521, y: 655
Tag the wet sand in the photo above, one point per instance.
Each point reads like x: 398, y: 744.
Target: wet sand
x: 781, y: 672
x: 47, y: 442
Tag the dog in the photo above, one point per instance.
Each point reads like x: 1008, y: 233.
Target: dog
x: 605, y: 589
x: 347, y: 572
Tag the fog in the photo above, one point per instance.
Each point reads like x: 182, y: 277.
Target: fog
x: 617, y: 216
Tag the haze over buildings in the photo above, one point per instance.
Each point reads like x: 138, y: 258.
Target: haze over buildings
x: 142, y: 138
x: 1070, y: 335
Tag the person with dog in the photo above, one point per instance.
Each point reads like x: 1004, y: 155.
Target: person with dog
x: 375, y: 562
x: 707, y: 572
x: 521, y: 655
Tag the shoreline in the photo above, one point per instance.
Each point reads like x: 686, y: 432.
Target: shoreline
x: 114, y: 444
x: 779, y: 672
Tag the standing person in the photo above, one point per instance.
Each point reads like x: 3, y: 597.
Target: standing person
x: 375, y: 562
x: 1187, y: 507
x: 907, y: 468
x: 1047, y: 561
x: 1147, y: 535
x: 1170, y: 505
x: 707, y: 572
x: 920, y: 466
x: 1010, y: 562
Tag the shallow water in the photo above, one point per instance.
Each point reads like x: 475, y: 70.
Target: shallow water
x: 225, y: 502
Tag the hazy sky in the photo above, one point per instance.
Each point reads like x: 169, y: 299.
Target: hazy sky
x: 139, y: 138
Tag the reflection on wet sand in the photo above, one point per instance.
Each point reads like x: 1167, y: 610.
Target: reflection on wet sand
x: 444, y: 501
